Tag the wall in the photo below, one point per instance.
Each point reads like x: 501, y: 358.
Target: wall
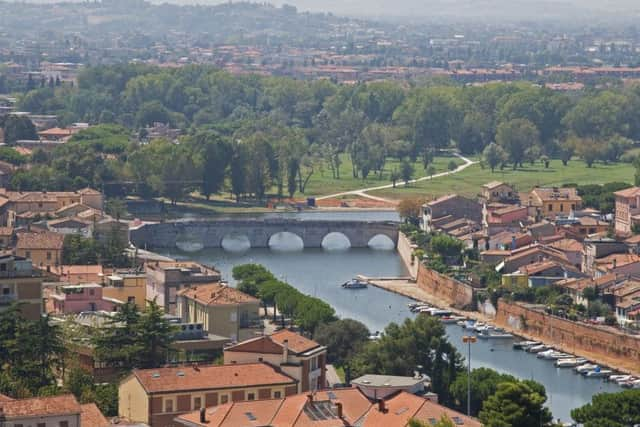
x: 405, y: 249
x: 451, y: 291
x: 595, y: 341
x: 133, y: 402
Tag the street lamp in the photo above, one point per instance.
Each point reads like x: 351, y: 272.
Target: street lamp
x: 469, y: 339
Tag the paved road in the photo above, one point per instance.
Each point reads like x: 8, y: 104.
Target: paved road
x: 332, y: 376
x: 363, y: 191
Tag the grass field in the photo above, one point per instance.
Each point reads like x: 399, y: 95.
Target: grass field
x: 323, y: 183
x: 469, y: 181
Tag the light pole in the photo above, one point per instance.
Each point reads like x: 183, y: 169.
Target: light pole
x: 469, y: 339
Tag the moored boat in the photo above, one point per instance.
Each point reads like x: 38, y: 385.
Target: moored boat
x: 524, y: 345
x: 598, y: 373
x: 538, y: 348
x: 355, y: 284
x: 494, y: 334
x: 585, y: 368
x: 570, y: 362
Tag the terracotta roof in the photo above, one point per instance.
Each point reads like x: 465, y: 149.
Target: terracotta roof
x: 296, y: 342
x: 619, y: 259
x: 41, y: 240
x: 567, y: 245
x: 628, y: 192
x: 299, y: 411
x: 634, y: 240
x: 538, y: 267
x: 508, y: 209
x: 4, y: 398
x: 91, y: 416
x: 6, y: 231
x: 41, y: 406
x: 546, y: 194
x: 210, y: 377
x: 217, y: 294
x: 493, y: 184
x: 56, y: 132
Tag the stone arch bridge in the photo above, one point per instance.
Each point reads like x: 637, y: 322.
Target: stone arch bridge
x: 211, y: 233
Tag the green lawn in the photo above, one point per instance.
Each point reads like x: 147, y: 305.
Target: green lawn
x: 469, y: 181
x: 322, y: 182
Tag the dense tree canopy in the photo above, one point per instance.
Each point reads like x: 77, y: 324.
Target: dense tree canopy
x: 610, y: 410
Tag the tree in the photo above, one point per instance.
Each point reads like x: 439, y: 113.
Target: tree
x: 446, y: 246
x: 431, y: 170
x: 515, y: 136
x: 410, y: 210
x: 589, y: 150
x: 443, y: 422
x: 452, y: 165
x: 217, y: 157
x: 17, y: 128
x: 155, y: 335
x: 484, y: 383
x: 494, y: 155
x: 610, y: 410
x: 515, y: 404
x: 343, y: 339
x: 406, y: 171
x: 116, y: 344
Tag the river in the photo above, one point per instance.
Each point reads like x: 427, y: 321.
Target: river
x: 319, y: 272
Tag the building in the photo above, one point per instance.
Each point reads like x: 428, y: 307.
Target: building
x: 221, y: 309
x: 126, y: 286
x: 331, y: 408
x: 158, y: 396
x: 382, y: 386
x: 19, y: 282
x: 74, y: 299
x: 70, y: 225
x: 496, y: 191
x: 54, y: 411
x: 43, y: 248
x: 76, y: 274
x: 552, y: 202
x: 627, y: 210
x: 297, y: 356
x: 449, y: 208
x: 7, y: 237
x: 166, y: 278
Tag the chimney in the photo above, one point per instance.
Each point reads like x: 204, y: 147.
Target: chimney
x: 285, y: 351
x: 203, y: 413
x: 339, y: 409
x: 310, y: 398
x: 381, y: 406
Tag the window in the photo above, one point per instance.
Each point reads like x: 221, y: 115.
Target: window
x: 64, y: 423
x: 573, y: 207
x: 561, y: 207
x: 197, y: 403
x: 168, y: 405
x: 277, y: 394
x: 41, y: 425
x: 3, y: 267
x: 551, y: 207
x: 49, y: 256
x: 6, y: 291
x: 224, y: 398
x: 27, y: 254
x: 251, y: 396
x: 92, y: 292
x: 18, y: 425
x: 131, y: 299
x: 234, y: 316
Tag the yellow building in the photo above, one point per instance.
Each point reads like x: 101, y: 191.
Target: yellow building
x: 127, y: 286
x: 43, y: 248
x: 555, y: 201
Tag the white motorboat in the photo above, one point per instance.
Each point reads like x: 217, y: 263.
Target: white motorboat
x: 525, y: 345
x: 585, y: 368
x: 470, y: 324
x: 544, y: 354
x: 598, y: 373
x: 553, y: 355
x: 494, y: 334
x: 620, y: 378
x: 448, y: 320
x: 538, y: 348
x: 634, y: 383
x: 570, y: 362
x: 479, y: 326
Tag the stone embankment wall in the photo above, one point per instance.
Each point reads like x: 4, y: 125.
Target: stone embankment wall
x: 450, y: 291
x: 601, y: 342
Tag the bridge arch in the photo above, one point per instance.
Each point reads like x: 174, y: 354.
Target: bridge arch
x: 236, y: 242
x: 381, y: 242
x: 285, y: 241
x: 336, y: 240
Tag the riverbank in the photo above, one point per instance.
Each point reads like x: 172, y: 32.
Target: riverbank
x: 514, y: 324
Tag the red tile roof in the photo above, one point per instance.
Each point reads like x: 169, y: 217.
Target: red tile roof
x: 628, y: 192
x: 217, y: 294
x: 40, y: 240
x: 274, y: 344
x: 174, y: 379
x: 296, y: 342
x: 91, y: 416
x: 42, y: 406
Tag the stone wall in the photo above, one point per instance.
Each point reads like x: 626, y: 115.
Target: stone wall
x: 451, y: 291
x: 592, y: 341
x: 405, y: 250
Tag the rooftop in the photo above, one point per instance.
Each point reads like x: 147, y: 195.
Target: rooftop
x: 175, y: 379
x: 217, y: 294
x: 40, y: 240
x: 628, y: 192
x: 41, y: 406
x: 370, y: 380
x: 274, y: 344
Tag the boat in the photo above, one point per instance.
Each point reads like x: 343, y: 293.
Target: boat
x: 355, y: 284
x: 436, y: 312
x: 421, y: 307
x: 470, y: 324
x: 570, y: 362
x: 479, y: 326
x: 552, y: 355
x: 598, y: 373
x: 538, y: 348
x: 620, y: 378
x: 525, y: 345
x: 585, y: 368
x: 635, y: 383
x: 543, y: 354
x: 447, y: 320
x: 494, y: 334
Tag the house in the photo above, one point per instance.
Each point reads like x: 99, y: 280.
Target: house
x: 449, y: 208
x: 550, y: 202
x: 56, y: 134
x: 21, y: 283
x: 599, y: 248
x: 584, y: 226
x: 223, y: 310
x: 331, y: 408
x: 7, y: 236
x: 74, y: 299
x: 496, y: 191
x: 627, y: 211
x: 297, y: 356
x: 382, y: 386
x: 158, y: 396
x: 510, y: 217
x: 618, y: 263
x: 126, y: 286
x: 76, y: 274
x: 43, y: 248
x: 626, y: 300
x: 70, y: 225
x: 166, y: 278
x: 571, y: 248
x: 58, y: 411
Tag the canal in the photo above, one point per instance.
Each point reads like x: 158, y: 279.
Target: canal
x: 319, y: 272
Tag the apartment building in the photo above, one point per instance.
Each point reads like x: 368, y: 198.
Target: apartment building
x: 20, y: 282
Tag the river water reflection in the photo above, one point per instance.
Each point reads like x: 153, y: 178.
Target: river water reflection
x: 319, y: 272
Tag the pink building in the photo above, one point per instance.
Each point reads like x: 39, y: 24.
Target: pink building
x: 78, y: 298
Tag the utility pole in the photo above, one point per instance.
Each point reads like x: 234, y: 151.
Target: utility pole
x: 469, y: 339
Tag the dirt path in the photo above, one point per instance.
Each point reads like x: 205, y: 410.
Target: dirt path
x: 363, y: 191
